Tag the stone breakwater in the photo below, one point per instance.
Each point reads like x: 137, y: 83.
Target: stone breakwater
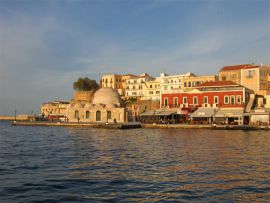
x: 139, y: 125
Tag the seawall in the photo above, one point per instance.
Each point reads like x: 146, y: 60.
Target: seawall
x: 69, y: 124
x: 139, y: 125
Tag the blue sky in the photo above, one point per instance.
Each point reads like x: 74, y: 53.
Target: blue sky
x: 45, y: 45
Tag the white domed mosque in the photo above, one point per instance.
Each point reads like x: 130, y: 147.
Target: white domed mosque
x: 105, y: 105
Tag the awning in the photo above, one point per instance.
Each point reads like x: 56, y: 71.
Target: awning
x: 158, y: 113
x: 204, y: 112
x: 237, y: 112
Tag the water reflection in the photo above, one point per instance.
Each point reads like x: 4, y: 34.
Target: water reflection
x: 146, y: 165
x: 194, y: 164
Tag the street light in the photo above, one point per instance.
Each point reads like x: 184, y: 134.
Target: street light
x: 15, y: 112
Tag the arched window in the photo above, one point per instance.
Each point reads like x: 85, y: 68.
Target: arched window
x: 76, y: 114
x: 98, y: 116
x: 87, y: 114
x: 109, y: 115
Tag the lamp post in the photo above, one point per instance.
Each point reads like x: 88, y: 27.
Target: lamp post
x: 15, y: 112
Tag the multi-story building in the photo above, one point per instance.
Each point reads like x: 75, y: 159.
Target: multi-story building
x: 151, y: 90
x: 254, y: 77
x: 219, y: 102
x: 223, y: 94
x: 194, y: 81
x: 111, y: 80
x: 54, y: 109
x: 257, y: 78
x: 135, y: 85
x: 172, y: 82
x: 115, y: 81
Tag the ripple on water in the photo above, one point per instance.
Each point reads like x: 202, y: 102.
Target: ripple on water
x: 147, y: 165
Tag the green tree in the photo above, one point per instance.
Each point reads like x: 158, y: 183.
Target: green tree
x: 85, y: 84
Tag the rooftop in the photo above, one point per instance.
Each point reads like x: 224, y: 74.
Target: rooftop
x: 218, y: 84
x: 238, y: 67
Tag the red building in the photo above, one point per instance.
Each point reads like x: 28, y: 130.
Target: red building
x: 222, y: 94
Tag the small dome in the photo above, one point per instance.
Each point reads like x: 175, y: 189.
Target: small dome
x: 78, y: 105
x: 111, y: 105
x: 108, y: 96
x: 88, y: 105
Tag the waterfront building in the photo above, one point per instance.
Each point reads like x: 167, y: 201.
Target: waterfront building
x: 228, y: 100
x: 138, y: 107
x: 151, y: 90
x: 223, y: 94
x: 135, y: 85
x: 105, y: 106
x: 54, y: 109
x: 254, y: 77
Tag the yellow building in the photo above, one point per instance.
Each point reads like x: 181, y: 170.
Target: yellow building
x: 151, y: 90
x: 54, y: 109
x: 193, y: 81
x: 254, y: 77
x: 257, y: 78
x: 135, y: 85
x: 115, y: 81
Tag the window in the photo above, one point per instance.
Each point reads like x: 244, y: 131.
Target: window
x: 185, y: 84
x: 166, y: 101
x: 175, y: 101
x: 76, y: 114
x: 226, y: 99
x: 184, y: 100
x: 250, y: 73
x: 195, y: 100
x: 232, y: 99
x: 189, y: 84
x: 238, y: 99
x: 109, y: 114
x: 98, y: 116
x: 87, y: 114
x: 151, y: 92
x: 150, y: 86
x: 157, y: 92
x: 215, y: 99
x: 165, y: 87
x: 205, y: 99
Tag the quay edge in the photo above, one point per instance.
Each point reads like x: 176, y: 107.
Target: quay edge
x: 140, y: 125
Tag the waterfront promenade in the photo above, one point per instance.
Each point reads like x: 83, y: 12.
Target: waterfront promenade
x: 132, y: 125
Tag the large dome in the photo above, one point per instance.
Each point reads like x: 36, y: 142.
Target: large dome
x: 108, y: 96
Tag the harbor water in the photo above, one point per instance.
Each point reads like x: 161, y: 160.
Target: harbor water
x: 81, y: 164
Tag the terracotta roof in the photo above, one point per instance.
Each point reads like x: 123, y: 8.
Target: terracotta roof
x: 218, y: 83
x: 235, y: 67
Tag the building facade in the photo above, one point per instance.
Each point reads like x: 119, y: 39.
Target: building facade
x: 55, y: 109
x: 115, y: 81
x: 254, y: 77
x: 106, y: 106
x: 151, y: 90
x: 170, y: 83
x: 222, y: 94
x: 135, y: 85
